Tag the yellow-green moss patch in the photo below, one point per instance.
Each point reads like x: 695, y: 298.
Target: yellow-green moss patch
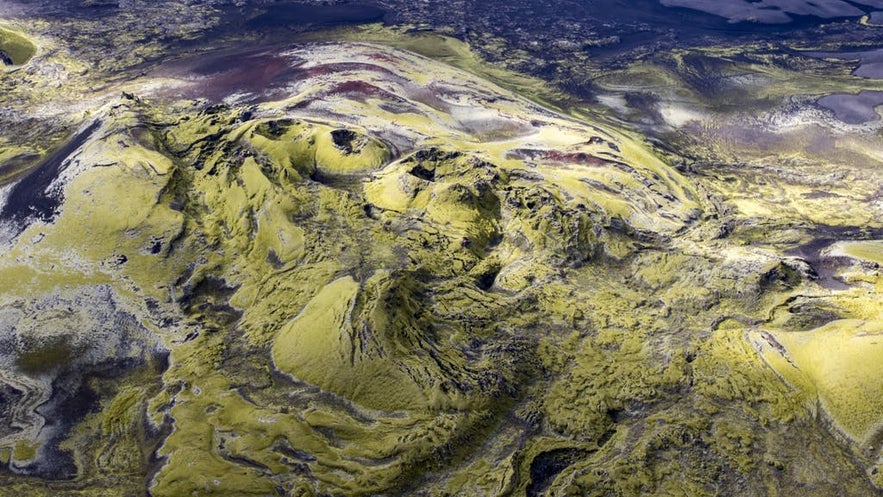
x: 843, y: 363
x: 16, y: 47
x: 871, y: 251
x: 318, y: 347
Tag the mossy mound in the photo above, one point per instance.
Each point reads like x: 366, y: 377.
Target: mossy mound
x: 840, y: 362
x: 377, y: 345
x: 15, y: 48
x: 322, y: 346
x: 312, y: 148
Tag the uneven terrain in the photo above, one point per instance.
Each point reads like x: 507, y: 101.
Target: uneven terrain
x: 345, y: 268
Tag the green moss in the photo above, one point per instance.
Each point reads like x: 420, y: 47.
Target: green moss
x: 840, y: 361
x: 122, y: 411
x: 472, y: 318
x: 602, y: 382
x: 735, y: 440
x: 875, y: 473
x: 317, y: 347
x: 24, y: 451
x: 869, y: 251
x: 727, y: 368
x: 16, y: 46
x: 354, y: 152
x: 46, y: 355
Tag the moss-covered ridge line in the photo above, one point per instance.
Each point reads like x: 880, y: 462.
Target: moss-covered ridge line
x: 833, y: 360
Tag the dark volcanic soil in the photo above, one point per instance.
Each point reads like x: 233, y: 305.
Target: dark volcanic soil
x: 296, y: 15
x: 29, y: 198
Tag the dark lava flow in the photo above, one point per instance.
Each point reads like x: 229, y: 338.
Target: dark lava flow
x: 826, y: 268
x: 260, y: 72
x: 29, y: 198
x: 298, y: 15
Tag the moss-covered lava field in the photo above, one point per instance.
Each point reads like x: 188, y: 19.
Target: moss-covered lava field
x: 365, y: 261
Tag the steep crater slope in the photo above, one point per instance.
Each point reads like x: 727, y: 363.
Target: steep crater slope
x: 15, y: 48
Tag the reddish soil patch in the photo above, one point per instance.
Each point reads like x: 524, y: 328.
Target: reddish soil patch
x: 558, y: 156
